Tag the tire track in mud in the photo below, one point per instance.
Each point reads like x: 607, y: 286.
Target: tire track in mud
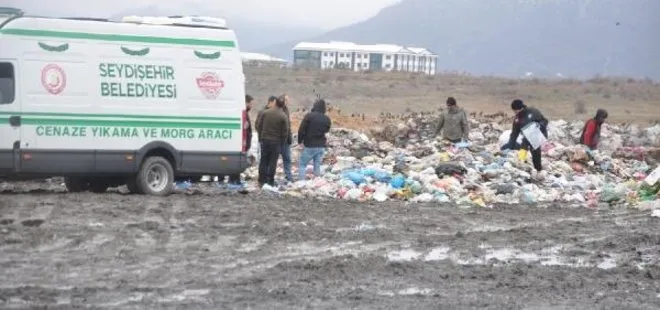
x: 129, y: 251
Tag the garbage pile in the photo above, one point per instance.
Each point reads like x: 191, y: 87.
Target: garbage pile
x: 406, y: 162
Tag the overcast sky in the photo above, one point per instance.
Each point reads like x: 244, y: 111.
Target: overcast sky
x: 315, y: 13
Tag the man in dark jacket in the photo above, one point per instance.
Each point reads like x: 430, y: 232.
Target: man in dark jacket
x: 235, y: 179
x: 286, y: 147
x: 526, y: 115
x: 591, y: 132
x: 311, y: 135
x: 273, y: 132
x: 257, y: 123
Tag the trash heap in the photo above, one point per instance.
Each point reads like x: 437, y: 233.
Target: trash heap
x: 406, y: 162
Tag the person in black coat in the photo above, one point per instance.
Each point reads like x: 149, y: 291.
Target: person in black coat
x: 526, y: 115
x: 311, y: 135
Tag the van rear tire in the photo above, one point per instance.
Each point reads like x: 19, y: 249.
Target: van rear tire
x: 156, y: 177
x: 76, y: 184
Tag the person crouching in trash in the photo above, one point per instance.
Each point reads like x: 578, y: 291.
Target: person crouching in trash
x: 453, y: 123
x: 524, y: 116
x: 591, y: 131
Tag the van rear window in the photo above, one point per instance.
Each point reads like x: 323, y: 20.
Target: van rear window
x: 7, y: 84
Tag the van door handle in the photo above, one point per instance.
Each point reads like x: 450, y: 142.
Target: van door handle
x: 15, y: 121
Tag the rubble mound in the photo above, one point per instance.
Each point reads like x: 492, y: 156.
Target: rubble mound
x: 406, y: 161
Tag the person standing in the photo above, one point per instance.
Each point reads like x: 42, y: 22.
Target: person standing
x: 257, y: 123
x: 311, y: 136
x: 591, y: 131
x: 273, y: 132
x: 453, y: 123
x: 235, y: 179
x: 286, y: 146
x: 526, y: 115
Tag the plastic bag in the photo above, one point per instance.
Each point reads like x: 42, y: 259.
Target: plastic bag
x: 355, y: 176
x: 398, y: 181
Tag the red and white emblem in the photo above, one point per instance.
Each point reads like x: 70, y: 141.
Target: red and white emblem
x: 210, y: 84
x: 53, y: 79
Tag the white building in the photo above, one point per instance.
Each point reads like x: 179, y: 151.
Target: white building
x: 377, y: 57
x: 261, y: 60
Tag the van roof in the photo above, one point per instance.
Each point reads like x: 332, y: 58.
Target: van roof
x: 8, y: 13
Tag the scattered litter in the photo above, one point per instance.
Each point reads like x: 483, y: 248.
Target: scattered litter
x: 407, y: 162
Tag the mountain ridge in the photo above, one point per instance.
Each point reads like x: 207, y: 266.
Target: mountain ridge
x: 581, y: 38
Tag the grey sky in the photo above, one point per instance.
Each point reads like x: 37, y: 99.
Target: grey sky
x: 316, y: 13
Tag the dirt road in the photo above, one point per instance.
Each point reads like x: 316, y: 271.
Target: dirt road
x: 229, y: 251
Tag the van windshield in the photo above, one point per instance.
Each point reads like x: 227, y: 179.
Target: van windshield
x: 7, y: 90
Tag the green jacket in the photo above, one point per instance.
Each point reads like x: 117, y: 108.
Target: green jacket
x: 454, y: 124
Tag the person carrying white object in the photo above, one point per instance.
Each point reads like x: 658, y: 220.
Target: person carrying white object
x: 525, y: 116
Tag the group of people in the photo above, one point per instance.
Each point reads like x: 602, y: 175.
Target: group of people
x: 454, y: 125
x: 273, y: 127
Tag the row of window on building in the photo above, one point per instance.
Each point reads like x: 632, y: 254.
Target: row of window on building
x: 346, y: 55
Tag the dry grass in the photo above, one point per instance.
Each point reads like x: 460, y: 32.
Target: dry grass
x: 627, y: 100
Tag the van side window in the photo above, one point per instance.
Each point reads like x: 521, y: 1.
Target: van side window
x: 7, y: 85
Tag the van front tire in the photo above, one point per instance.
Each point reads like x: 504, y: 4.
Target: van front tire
x: 156, y: 177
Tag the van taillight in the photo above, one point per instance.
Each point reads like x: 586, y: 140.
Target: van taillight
x: 244, y: 131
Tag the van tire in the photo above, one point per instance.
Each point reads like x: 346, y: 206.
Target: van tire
x: 132, y: 186
x: 76, y: 184
x: 98, y: 186
x: 155, y: 177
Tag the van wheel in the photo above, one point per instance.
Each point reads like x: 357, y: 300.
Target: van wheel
x: 132, y: 186
x: 156, y: 177
x: 76, y: 184
x: 98, y: 186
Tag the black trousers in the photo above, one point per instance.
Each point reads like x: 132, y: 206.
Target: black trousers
x: 536, y: 154
x: 270, y: 152
x: 536, y: 159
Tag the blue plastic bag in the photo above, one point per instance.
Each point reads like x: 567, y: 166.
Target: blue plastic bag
x: 398, y: 182
x: 368, y: 172
x: 463, y: 144
x: 355, y: 176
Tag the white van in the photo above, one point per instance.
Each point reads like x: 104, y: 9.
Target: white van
x: 139, y: 102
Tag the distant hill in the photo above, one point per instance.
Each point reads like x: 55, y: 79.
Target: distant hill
x: 579, y: 38
x: 251, y: 35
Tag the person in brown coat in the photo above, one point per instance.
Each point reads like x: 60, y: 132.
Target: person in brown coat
x: 273, y: 131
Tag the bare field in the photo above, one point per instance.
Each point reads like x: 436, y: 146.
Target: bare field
x: 627, y: 100
x: 214, y: 250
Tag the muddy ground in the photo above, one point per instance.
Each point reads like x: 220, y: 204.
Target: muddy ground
x: 214, y: 250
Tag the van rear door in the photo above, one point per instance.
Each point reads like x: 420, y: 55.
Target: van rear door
x: 10, y: 117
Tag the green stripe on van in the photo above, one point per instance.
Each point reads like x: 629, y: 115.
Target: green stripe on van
x: 125, y: 116
x: 113, y: 37
x: 125, y: 123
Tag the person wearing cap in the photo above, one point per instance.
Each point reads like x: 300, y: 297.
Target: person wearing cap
x: 591, y: 131
x: 453, y: 123
x: 526, y: 115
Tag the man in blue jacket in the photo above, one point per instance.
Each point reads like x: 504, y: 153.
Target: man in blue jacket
x: 311, y: 135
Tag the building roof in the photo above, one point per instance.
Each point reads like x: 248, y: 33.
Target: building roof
x: 260, y: 57
x: 353, y: 47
